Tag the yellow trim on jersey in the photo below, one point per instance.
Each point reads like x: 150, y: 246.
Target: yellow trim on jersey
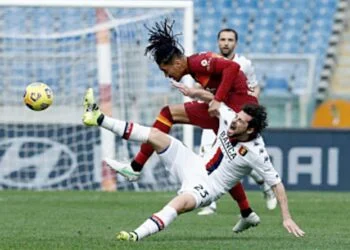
x: 164, y: 120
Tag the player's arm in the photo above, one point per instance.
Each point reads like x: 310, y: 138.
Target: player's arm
x: 203, y: 95
x: 194, y: 93
x: 288, y: 222
x: 262, y: 164
x: 210, y: 64
x: 229, y: 71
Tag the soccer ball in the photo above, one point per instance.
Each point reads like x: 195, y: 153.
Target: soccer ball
x: 38, y: 96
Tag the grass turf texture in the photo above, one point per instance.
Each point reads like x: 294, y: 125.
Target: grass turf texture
x: 89, y: 220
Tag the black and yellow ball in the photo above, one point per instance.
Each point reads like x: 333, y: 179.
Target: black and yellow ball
x: 38, y: 96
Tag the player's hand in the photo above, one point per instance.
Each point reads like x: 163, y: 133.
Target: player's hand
x: 186, y: 91
x: 214, y: 108
x: 293, y: 228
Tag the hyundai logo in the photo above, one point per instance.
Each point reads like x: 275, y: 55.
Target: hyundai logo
x: 31, y: 162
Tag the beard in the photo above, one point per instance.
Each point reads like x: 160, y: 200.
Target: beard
x: 237, y: 134
x: 226, y: 52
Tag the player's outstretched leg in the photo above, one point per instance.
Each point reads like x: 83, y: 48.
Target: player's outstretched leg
x: 245, y: 223
x: 157, y: 222
x: 126, y: 236
x: 93, y: 117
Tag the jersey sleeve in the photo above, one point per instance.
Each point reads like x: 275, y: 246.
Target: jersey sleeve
x: 212, y: 64
x: 229, y: 71
x: 261, y: 163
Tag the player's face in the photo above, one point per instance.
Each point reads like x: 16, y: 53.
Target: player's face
x: 172, y: 70
x: 239, y: 126
x: 227, y: 43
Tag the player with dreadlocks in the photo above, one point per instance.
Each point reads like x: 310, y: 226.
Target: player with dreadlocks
x: 221, y: 81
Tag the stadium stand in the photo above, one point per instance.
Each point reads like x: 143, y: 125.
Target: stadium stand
x: 331, y: 59
x: 295, y: 27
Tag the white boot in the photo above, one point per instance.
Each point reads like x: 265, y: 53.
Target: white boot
x: 244, y: 223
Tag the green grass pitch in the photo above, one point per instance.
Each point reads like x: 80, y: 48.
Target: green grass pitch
x: 89, y: 220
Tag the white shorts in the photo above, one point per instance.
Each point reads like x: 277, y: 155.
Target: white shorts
x: 189, y: 169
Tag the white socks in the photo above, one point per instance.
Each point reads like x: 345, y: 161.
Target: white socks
x: 127, y: 130
x: 156, y: 222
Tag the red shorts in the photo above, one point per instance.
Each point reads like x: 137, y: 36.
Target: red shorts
x: 197, y: 112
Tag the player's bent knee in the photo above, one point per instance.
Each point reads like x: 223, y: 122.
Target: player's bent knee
x: 156, y: 134
x: 184, y: 202
x: 158, y: 139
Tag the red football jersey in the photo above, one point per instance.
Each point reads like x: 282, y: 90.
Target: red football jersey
x: 218, y: 75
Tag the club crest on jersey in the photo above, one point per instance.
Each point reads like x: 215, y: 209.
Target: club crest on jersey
x: 204, y: 63
x: 242, y: 150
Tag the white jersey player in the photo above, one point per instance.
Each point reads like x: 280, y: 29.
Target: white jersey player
x: 227, y: 41
x: 234, y: 158
x: 208, y: 135
x: 249, y: 71
x: 241, y: 147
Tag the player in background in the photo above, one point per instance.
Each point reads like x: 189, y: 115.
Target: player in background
x: 239, y: 149
x: 227, y: 41
x: 213, y: 72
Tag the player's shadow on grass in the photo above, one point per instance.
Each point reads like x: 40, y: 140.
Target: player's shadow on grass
x: 240, y: 237
x: 257, y: 238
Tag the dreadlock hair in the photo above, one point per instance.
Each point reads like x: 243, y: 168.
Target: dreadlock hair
x: 259, y: 118
x: 163, y: 44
